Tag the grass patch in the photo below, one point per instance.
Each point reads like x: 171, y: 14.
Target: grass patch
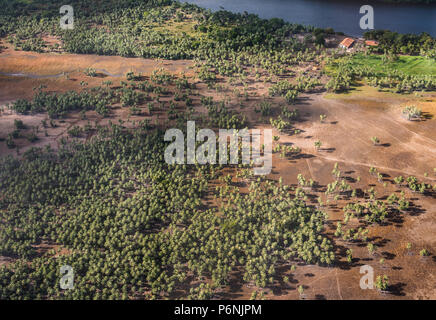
x: 174, y: 27
x: 410, y: 65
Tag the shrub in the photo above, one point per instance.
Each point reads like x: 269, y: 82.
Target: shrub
x: 265, y: 108
x: 90, y: 72
x: 10, y: 142
x: 76, y: 131
x: 412, y: 112
x: 424, y: 253
x: 19, y: 124
x: 32, y: 137
x: 382, y: 283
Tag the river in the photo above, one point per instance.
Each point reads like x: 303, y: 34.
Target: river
x: 338, y: 14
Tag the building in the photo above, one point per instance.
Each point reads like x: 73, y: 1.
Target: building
x: 346, y: 43
x: 371, y: 43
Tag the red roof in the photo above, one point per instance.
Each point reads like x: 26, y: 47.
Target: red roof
x: 347, y: 42
x: 371, y: 43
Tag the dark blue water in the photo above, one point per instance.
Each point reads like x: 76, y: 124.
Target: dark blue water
x: 340, y: 15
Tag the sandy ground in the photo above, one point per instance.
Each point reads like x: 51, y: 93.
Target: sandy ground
x: 406, y: 148
x: 49, y: 64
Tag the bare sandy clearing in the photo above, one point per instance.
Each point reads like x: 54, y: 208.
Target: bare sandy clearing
x: 53, y: 64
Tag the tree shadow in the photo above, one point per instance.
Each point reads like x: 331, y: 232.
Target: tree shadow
x: 415, y: 210
x: 397, y: 289
x: 388, y: 255
x: 328, y: 150
x: 426, y: 116
x: 304, y: 156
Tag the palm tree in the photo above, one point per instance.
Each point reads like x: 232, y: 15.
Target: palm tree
x: 382, y: 283
x: 349, y: 255
x: 424, y: 253
x: 375, y: 140
x: 371, y: 248
x: 301, y: 291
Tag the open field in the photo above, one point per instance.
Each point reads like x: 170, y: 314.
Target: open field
x: 411, y: 65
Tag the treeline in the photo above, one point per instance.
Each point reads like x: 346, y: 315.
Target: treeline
x: 401, y: 43
x: 58, y: 105
x: 347, y: 72
x: 50, y: 8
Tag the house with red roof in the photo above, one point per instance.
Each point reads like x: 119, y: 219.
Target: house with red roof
x: 371, y: 43
x: 347, y: 43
